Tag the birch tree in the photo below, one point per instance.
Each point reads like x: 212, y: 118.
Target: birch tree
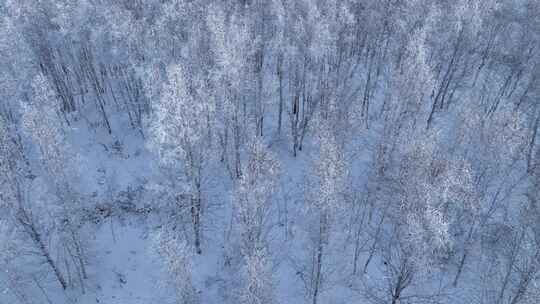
x: 325, y: 200
x: 253, y: 205
x: 42, y: 121
x: 177, y: 260
x: 181, y: 136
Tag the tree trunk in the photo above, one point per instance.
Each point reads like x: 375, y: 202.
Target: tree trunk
x: 38, y: 240
x: 375, y: 241
x: 319, y: 258
x: 532, y: 142
x: 280, y: 78
x: 464, y: 257
x: 196, y: 218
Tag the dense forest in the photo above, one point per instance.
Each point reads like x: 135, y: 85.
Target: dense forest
x: 269, y: 151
